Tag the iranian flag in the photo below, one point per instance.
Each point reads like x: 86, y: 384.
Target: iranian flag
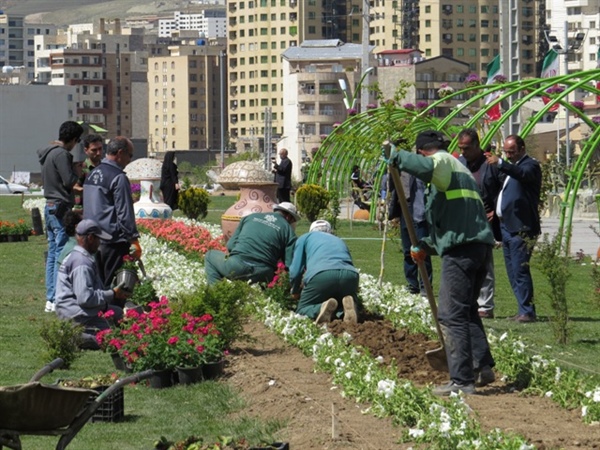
x: 550, y: 69
x: 493, y: 69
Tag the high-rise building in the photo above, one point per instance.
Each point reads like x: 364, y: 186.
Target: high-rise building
x: 210, y: 23
x: 17, y: 42
x: 185, y: 97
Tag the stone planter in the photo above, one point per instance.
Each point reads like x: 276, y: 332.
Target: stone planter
x: 254, y: 198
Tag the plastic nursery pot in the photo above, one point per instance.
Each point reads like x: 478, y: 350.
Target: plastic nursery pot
x: 190, y: 375
x: 128, y: 279
x: 161, y: 379
x: 213, y: 370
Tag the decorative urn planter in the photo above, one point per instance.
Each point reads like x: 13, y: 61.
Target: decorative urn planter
x: 150, y: 204
x: 244, y: 172
x: 255, y: 197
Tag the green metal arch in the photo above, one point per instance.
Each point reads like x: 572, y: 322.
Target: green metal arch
x: 358, y: 139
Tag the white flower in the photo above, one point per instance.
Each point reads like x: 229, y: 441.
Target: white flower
x: 386, y: 387
x: 379, y: 359
x: 548, y: 394
x: 415, y: 432
x: 584, y: 411
x: 504, y: 336
x: 348, y: 375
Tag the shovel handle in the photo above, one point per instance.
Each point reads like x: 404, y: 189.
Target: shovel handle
x: 410, y: 227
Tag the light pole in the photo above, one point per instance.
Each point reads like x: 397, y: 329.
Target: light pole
x: 222, y: 55
x: 566, y: 49
x: 350, y: 100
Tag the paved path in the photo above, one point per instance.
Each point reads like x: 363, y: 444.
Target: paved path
x: 583, y: 236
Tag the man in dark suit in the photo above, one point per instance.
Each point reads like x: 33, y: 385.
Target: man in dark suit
x: 283, y: 176
x: 517, y: 208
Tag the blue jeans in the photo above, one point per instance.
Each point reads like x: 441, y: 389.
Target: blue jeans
x: 411, y: 269
x: 517, y: 254
x: 463, y: 270
x: 57, y: 238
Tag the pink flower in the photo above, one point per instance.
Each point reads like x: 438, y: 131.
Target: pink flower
x: 173, y: 340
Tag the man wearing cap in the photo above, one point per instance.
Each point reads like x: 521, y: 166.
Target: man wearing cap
x: 258, y: 243
x: 80, y: 294
x: 323, y: 272
x: 108, y: 201
x: 461, y: 235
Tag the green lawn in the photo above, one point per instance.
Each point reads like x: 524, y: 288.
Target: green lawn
x: 150, y: 416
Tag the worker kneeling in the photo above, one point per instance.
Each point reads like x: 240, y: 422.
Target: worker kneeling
x: 323, y: 274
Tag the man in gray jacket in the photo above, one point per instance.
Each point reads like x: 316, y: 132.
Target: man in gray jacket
x: 80, y: 294
x: 107, y: 199
x: 59, y: 176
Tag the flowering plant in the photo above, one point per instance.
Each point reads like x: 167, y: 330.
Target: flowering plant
x: 159, y: 340
x: 445, y: 90
x: 278, y: 289
x: 472, y: 80
x: 500, y: 79
x: 129, y: 263
x: 371, y: 106
x: 409, y: 106
x: 420, y: 106
x: 556, y: 89
x: 577, y: 104
x: 596, y: 120
x: 352, y: 111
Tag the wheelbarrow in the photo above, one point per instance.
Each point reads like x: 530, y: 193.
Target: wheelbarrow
x: 50, y: 410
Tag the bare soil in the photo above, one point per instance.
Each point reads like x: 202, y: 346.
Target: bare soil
x: 279, y: 382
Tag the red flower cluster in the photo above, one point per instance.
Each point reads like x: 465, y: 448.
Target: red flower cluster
x: 158, y: 340
x: 189, y: 238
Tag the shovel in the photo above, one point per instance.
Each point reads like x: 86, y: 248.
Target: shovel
x: 436, y: 357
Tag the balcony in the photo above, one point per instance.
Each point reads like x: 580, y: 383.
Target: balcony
x: 232, y: 7
x: 232, y: 21
x: 447, y: 9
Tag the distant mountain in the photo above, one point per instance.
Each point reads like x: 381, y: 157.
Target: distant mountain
x: 65, y: 12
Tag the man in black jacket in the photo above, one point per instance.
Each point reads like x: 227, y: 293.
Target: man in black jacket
x: 489, y: 180
x: 283, y: 176
x: 517, y: 207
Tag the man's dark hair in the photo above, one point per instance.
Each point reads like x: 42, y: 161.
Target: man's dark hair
x: 92, y: 138
x: 116, y: 144
x: 71, y: 219
x: 69, y: 130
x: 518, y: 140
x: 471, y: 133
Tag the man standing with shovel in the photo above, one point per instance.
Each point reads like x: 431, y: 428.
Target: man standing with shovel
x: 460, y: 234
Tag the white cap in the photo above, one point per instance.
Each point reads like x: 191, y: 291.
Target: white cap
x: 320, y: 225
x: 289, y: 208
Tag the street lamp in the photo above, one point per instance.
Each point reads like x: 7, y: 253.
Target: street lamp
x: 569, y: 46
x: 350, y: 100
x: 303, y: 154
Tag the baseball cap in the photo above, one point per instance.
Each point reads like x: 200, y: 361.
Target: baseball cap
x: 320, y: 225
x: 426, y: 138
x: 289, y: 208
x: 89, y: 226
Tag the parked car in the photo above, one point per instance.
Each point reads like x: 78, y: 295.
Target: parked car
x: 12, y: 188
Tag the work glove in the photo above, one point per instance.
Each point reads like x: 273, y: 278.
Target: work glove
x: 417, y: 254
x: 389, y: 153
x: 137, y: 249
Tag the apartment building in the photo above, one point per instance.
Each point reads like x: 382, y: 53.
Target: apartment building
x: 107, y: 65
x: 210, y: 23
x: 17, y: 42
x: 186, y: 91
x: 259, y: 31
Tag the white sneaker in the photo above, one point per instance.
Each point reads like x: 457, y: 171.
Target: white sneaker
x: 50, y: 307
x: 327, y: 310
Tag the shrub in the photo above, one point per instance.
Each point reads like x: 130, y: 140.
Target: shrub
x: 227, y: 302
x: 194, y: 202
x: 63, y: 340
x: 143, y: 293
x: 311, y: 200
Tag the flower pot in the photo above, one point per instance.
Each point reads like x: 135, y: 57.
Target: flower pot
x: 14, y: 238
x: 254, y: 198
x: 120, y: 363
x: 161, y: 379
x: 190, y: 375
x: 128, y: 279
x: 213, y: 370
x: 24, y: 238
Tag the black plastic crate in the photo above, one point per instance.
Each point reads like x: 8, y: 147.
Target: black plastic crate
x: 113, y: 408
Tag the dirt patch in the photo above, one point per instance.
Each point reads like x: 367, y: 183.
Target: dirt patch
x: 279, y: 382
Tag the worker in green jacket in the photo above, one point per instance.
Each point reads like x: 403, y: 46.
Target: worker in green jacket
x: 258, y: 243
x: 461, y: 235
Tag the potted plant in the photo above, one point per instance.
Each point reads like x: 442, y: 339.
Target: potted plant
x: 127, y: 276
x: 445, y: 90
x: 473, y: 80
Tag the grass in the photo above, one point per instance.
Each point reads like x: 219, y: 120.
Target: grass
x: 211, y: 409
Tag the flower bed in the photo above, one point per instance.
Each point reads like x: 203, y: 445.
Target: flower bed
x: 430, y: 419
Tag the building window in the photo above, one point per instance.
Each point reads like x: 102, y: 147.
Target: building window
x: 312, y: 30
x: 485, y: 38
x: 473, y: 9
x: 460, y: 52
x: 472, y: 37
x: 460, y: 23
x: 485, y: 23
x: 472, y: 52
x: 460, y: 37
x: 427, y: 9
x: 427, y: 52
x: 428, y: 24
